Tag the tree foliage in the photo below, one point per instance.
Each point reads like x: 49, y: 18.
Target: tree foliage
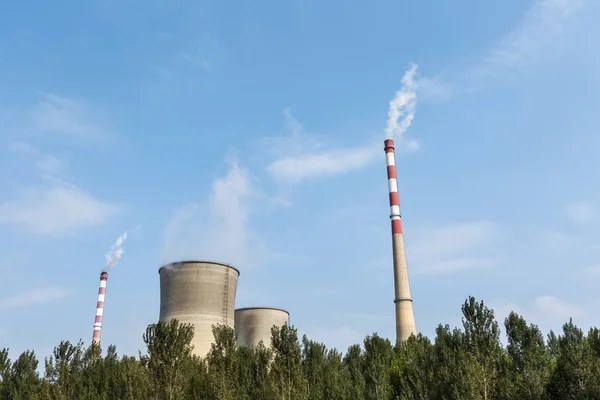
x: 468, y: 363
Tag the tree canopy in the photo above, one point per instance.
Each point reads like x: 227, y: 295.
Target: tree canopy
x: 468, y: 363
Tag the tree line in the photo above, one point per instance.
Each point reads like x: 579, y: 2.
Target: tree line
x: 458, y: 364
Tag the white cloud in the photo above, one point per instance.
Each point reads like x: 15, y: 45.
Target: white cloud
x: 305, y: 157
x: 428, y: 88
x: 592, y: 270
x: 49, y: 165
x: 296, y: 169
x: 454, y: 248
x: 581, y: 212
x: 559, y: 241
x: 548, y: 312
x: 536, y: 33
x: 219, y: 229
x: 63, y: 115
x: 57, y: 207
x: 36, y: 296
x: 56, y: 210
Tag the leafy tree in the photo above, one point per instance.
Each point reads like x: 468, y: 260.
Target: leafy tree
x: 460, y: 364
x: 222, y: 361
x: 378, y: 361
x: 577, y: 371
x: 482, y: 341
x: 529, y: 361
x: 22, y: 381
x: 453, y: 366
x: 412, y: 370
x: 313, y: 365
x: 287, y: 380
x: 63, y: 371
x: 169, y: 352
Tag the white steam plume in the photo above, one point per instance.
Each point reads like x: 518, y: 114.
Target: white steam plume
x: 116, y: 251
x: 402, y: 106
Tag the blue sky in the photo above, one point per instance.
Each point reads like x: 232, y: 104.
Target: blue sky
x: 246, y: 134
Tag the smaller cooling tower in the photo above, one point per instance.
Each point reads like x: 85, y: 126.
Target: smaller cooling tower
x: 253, y: 324
x: 201, y: 293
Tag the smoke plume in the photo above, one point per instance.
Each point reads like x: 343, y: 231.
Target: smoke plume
x: 402, y: 106
x: 115, y: 253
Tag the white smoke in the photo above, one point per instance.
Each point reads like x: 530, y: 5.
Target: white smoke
x: 116, y: 251
x: 402, y: 106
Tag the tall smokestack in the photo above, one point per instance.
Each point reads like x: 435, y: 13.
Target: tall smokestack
x: 405, y: 318
x: 100, y: 308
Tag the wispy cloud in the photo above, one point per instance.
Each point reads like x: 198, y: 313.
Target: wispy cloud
x: 296, y: 169
x: 219, y: 229
x: 58, y: 210
x: 55, y: 207
x: 306, y: 157
x: 558, y: 241
x: 36, y: 296
x: 50, y: 166
x: 454, y: 248
x: 535, y: 34
x: 548, y: 312
x: 57, y: 114
x: 581, y: 212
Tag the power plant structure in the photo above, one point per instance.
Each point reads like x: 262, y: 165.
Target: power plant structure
x: 405, y: 317
x: 203, y: 293
x: 100, y: 307
x: 253, y: 324
x: 200, y: 293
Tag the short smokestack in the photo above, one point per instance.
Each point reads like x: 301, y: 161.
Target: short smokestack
x: 100, y: 308
x: 405, y: 318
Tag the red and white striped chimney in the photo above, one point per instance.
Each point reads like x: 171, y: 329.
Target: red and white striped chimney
x: 405, y: 318
x: 100, y: 308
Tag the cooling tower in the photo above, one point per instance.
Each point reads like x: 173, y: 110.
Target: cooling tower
x: 253, y: 324
x: 405, y: 318
x: 201, y: 293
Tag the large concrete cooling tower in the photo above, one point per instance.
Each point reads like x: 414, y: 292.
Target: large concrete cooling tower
x: 201, y: 293
x: 254, y: 324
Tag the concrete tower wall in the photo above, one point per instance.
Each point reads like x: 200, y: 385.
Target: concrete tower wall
x: 201, y: 293
x: 254, y: 324
x: 405, y: 318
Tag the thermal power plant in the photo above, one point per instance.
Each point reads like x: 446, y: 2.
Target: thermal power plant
x: 405, y: 318
x: 100, y: 308
x: 253, y: 324
x: 201, y: 293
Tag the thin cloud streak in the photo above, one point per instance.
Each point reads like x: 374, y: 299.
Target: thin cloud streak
x: 535, y: 34
x: 58, y: 210
x: 317, y: 163
x: 57, y: 207
x: 57, y: 114
x: 581, y: 212
x: 36, y: 296
x: 454, y: 248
